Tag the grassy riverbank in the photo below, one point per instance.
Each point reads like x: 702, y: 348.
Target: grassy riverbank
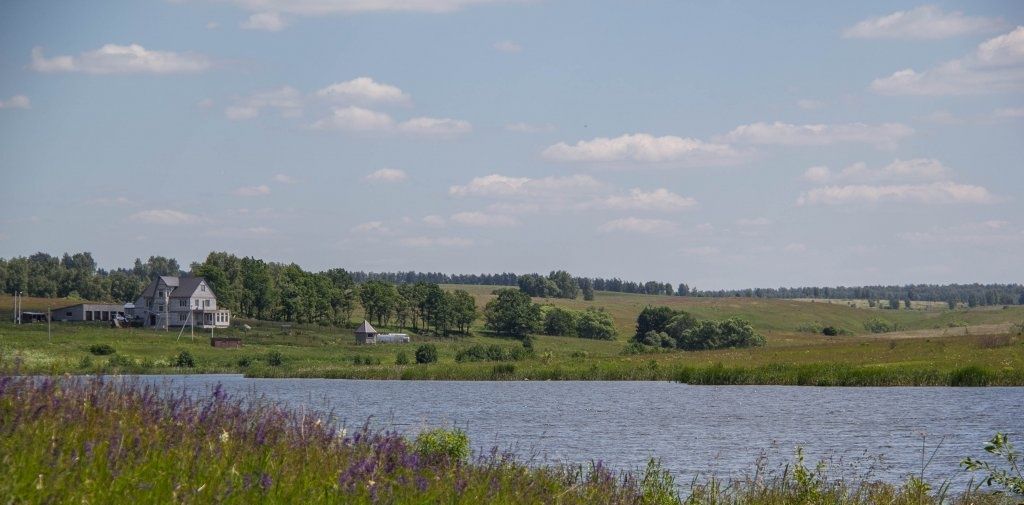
x: 936, y: 347
x: 89, y: 440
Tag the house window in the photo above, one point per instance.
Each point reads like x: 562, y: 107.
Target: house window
x: 160, y: 294
x: 160, y: 308
x: 67, y: 313
x: 182, y: 316
x: 181, y: 303
x: 202, y: 287
x: 206, y: 303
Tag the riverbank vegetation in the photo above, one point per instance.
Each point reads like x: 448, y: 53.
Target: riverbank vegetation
x: 94, y: 440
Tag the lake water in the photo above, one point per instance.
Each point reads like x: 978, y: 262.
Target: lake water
x: 694, y: 430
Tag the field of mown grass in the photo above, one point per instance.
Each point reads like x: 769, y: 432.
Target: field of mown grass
x: 936, y: 349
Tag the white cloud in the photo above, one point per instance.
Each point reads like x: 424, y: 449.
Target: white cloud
x: 917, y: 169
x: 644, y: 148
x: 1009, y: 113
x: 355, y: 119
x: 364, y: 90
x: 425, y: 242
x: 529, y: 128
x: 997, y: 65
x: 986, y: 233
x: 286, y: 100
x: 261, y: 190
x: 924, y: 22
x: 387, y: 175
x: 945, y: 192
x: 116, y: 59
x: 267, y: 21
x: 507, y: 46
x: 16, y: 102
x: 433, y: 220
x: 660, y: 199
x: 817, y: 174
x: 435, y: 126
x: 753, y: 222
x: 480, y: 219
x: 372, y: 227
x: 638, y: 225
x: 212, y: 25
x: 810, y: 104
x: 164, y: 217
x: 328, y: 7
x: 501, y: 185
x: 786, y: 134
x: 285, y: 179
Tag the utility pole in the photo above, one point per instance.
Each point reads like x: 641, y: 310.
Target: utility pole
x: 49, y: 315
x: 15, y: 307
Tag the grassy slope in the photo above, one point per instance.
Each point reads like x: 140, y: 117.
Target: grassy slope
x: 315, y: 351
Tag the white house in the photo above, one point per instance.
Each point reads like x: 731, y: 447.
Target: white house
x: 180, y: 301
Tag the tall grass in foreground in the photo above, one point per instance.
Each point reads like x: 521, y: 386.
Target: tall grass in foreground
x: 94, y: 440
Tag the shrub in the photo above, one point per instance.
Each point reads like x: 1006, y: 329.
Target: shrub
x: 879, y: 325
x: 653, y: 319
x: 829, y: 331
x: 185, y: 360
x: 401, y: 358
x: 85, y: 362
x: 596, y: 324
x: 492, y: 353
x: 732, y: 332
x: 102, y: 349
x: 426, y: 353
x: 119, y: 361
x: 559, y: 321
x: 442, y: 444
x: 274, y: 358
x: 244, y: 362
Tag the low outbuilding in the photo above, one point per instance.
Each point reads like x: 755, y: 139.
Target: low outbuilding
x: 366, y: 334
x: 88, y: 312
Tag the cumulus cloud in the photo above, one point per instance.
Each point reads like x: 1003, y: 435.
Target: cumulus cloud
x: 507, y: 46
x: 945, y: 192
x: 997, y: 65
x: 924, y: 22
x: 660, y: 199
x: 164, y: 217
x: 786, y: 134
x: 261, y: 190
x: 355, y: 119
x: 16, y: 102
x: 267, y: 21
x: 433, y: 220
x: 984, y: 233
x: 323, y: 8
x: 1009, y: 113
x: 387, y: 175
x: 529, y: 128
x: 364, y: 90
x: 117, y: 59
x: 435, y: 126
x: 643, y: 148
x: 638, y: 225
x: 917, y: 169
x: 484, y: 220
x: 502, y: 185
x: 286, y: 100
x: 427, y: 242
x: 285, y: 179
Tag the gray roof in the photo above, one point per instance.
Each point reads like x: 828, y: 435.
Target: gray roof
x: 181, y: 286
x: 365, y: 328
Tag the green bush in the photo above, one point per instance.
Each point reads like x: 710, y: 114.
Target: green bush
x: 275, y: 358
x: 829, y: 331
x: 245, y: 362
x: 492, y: 353
x: 401, y: 358
x: 596, y: 324
x: 119, y: 361
x: 559, y: 321
x: 102, y: 349
x: 426, y: 353
x: 879, y: 325
x: 185, y: 360
x: 442, y: 444
x: 732, y: 332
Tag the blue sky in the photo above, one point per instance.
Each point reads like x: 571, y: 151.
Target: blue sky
x: 725, y: 144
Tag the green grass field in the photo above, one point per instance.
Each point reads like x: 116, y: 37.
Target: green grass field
x: 937, y: 347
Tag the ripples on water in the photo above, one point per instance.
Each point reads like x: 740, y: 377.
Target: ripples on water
x: 874, y: 433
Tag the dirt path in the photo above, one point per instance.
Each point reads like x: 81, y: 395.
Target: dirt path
x: 980, y: 329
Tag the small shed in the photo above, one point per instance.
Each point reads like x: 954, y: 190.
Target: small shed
x: 33, y: 317
x: 365, y: 334
x: 226, y: 342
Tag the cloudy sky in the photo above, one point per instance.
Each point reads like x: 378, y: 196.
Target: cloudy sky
x: 726, y: 144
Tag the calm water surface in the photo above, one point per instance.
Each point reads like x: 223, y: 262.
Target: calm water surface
x: 694, y: 430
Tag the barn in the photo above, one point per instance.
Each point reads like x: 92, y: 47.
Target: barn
x: 88, y: 312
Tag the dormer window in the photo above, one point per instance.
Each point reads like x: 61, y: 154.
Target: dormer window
x: 202, y: 287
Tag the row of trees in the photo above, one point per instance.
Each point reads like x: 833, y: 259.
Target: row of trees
x: 77, y: 276
x: 514, y: 313
x: 665, y: 327
x: 558, y: 284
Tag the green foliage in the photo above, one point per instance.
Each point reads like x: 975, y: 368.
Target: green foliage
x: 274, y: 358
x: 653, y: 319
x: 704, y: 335
x: 426, y: 353
x: 441, y: 444
x: 401, y: 358
x: 829, y: 331
x: 558, y: 284
x: 102, y: 349
x: 185, y: 360
x: 969, y: 376
x: 119, y: 361
x: 596, y: 324
x: 492, y: 353
x: 559, y: 321
x: 512, y: 313
x: 879, y: 325
x: 1009, y: 479
x: 657, y: 486
x: 245, y: 362
x: 365, y: 360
